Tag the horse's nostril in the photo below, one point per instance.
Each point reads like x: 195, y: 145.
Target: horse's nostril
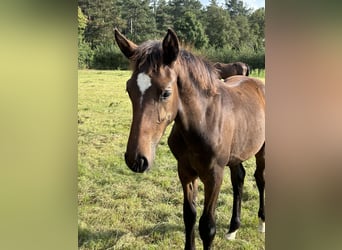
x: 139, y: 165
x: 142, y: 163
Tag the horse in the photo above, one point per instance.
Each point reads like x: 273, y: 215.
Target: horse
x: 214, y: 125
x: 230, y: 69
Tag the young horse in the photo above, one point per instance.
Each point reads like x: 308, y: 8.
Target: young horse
x: 226, y: 70
x: 215, y: 125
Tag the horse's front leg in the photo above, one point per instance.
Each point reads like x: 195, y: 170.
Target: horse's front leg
x: 237, y: 176
x: 212, y: 180
x: 188, y: 178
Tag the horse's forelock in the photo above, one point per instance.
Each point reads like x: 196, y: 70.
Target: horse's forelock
x: 149, y: 55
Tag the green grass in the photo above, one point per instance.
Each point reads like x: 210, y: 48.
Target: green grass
x: 119, y: 209
x: 259, y: 73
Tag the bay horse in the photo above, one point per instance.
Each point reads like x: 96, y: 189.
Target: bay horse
x: 215, y: 125
x: 226, y: 70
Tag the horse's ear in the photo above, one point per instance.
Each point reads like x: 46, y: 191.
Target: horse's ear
x: 170, y: 47
x: 126, y: 46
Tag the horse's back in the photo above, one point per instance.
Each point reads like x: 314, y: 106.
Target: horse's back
x: 243, y: 81
x: 246, y: 89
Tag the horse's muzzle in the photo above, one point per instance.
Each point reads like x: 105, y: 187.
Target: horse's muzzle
x: 139, y: 165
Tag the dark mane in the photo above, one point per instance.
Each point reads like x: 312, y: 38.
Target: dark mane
x: 201, y: 71
x: 149, y: 56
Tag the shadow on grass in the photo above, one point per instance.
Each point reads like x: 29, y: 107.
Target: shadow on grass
x: 161, y: 228
x: 108, y: 238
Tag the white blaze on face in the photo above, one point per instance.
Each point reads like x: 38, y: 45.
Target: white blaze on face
x: 143, y: 82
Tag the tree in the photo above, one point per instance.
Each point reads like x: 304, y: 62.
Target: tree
x: 82, y: 21
x: 240, y: 25
x: 103, y: 16
x: 233, y: 35
x: 84, y: 50
x: 236, y: 8
x: 190, y: 31
x: 224, y: 32
x: 163, y: 18
x: 215, y: 16
x: 139, y: 18
x: 257, y: 24
x: 179, y: 7
x: 246, y: 37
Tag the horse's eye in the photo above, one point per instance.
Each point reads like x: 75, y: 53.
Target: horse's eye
x: 165, y: 95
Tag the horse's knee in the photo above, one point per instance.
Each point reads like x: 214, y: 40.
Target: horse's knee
x: 207, y: 228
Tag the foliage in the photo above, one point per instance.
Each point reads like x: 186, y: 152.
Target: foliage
x: 82, y: 21
x: 257, y: 21
x: 108, y: 56
x: 213, y: 29
x: 119, y: 209
x: 237, y: 8
x: 255, y: 59
x: 163, y: 17
x: 190, y: 31
x: 215, y: 16
x: 84, y: 51
x: 140, y: 20
x: 85, y: 54
x: 103, y: 16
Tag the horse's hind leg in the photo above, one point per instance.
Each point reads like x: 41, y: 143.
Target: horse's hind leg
x: 237, y: 176
x: 188, y: 179
x: 260, y: 181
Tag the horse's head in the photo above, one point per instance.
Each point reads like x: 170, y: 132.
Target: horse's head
x: 153, y: 92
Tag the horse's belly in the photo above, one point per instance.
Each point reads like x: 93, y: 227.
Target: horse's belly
x: 245, y: 147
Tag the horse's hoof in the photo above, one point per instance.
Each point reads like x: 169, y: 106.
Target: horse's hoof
x: 261, y: 226
x: 231, y: 236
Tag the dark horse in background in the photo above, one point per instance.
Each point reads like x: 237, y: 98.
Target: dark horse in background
x: 215, y: 125
x: 226, y: 70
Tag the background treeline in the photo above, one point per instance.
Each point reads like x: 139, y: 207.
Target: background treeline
x: 220, y: 32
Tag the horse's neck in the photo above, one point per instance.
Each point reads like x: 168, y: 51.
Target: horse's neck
x: 195, y: 110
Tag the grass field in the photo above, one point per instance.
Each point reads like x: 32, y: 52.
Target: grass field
x: 119, y: 209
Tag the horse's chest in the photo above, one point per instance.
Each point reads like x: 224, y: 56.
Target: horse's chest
x: 205, y: 152
x: 200, y: 149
